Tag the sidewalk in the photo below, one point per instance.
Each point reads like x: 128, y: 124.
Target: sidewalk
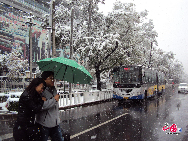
x: 11, y: 116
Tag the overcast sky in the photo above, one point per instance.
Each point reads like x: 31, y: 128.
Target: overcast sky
x: 170, y: 18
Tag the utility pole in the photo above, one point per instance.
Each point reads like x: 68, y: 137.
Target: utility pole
x: 71, y: 42
x: 89, y: 35
x: 53, y: 29
x: 150, y: 54
x: 50, y: 27
x: 71, y: 33
x: 89, y: 21
x: 30, y: 47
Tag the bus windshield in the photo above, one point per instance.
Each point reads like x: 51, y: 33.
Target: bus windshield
x: 128, y: 76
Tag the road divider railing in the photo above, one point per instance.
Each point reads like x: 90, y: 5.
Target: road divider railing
x: 66, y: 100
x: 72, y: 99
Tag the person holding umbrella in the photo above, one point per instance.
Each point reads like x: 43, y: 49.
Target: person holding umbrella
x: 30, y: 103
x: 63, y: 69
x: 48, y: 119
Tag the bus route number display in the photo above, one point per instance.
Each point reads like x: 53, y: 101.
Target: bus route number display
x: 127, y: 69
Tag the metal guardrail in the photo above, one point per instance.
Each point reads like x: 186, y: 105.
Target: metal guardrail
x: 9, y: 90
x: 66, y: 100
x: 82, y: 98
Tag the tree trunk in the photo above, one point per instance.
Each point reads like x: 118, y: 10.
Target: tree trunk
x: 98, y: 77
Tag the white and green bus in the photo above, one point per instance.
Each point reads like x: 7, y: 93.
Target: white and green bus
x: 137, y: 82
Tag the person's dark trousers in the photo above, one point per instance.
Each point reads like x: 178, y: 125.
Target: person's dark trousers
x: 25, y: 133
x: 19, y: 134
x: 54, y: 133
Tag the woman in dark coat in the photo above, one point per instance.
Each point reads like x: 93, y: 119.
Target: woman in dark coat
x: 30, y: 103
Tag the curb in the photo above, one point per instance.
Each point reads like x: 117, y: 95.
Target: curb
x: 6, y: 116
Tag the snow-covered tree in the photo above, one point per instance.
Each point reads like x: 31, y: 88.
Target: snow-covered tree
x: 83, y: 10
x: 85, y: 18
x: 3, y: 64
x: 146, y: 39
x: 62, y: 23
x: 101, y: 47
x: 134, y: 31
x: 15, y: 64
x: 122, y: 37
x: 106, y: 41
x: 166, y: 63
x: 177, y: 71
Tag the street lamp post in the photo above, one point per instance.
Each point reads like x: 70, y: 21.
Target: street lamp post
x: 51, y: 29
x: 30, y: 41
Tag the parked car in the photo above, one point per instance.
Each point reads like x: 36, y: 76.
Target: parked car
x: 3, y: 102
x: 183, y: 88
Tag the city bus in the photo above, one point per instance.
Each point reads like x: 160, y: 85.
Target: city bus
x: 137, y: 82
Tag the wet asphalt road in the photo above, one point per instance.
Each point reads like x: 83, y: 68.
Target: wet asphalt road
x: 130, y: 121
x: 138, y: 121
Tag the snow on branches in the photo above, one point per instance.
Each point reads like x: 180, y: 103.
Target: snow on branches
x: 15, y: 63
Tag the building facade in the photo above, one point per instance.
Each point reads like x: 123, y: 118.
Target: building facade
x: 14, y: 30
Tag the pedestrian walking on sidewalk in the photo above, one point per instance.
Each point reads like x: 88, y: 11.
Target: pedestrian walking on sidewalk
x: 48, y: 119
x: 30, y: 103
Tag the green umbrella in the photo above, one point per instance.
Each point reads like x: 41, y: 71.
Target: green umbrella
x: 65, y: 69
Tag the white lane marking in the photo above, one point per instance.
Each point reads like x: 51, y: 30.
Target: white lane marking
x: 10, y: 135
x: 73, y: 136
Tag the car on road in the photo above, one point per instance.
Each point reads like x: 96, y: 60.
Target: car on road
x: 183, y: 88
